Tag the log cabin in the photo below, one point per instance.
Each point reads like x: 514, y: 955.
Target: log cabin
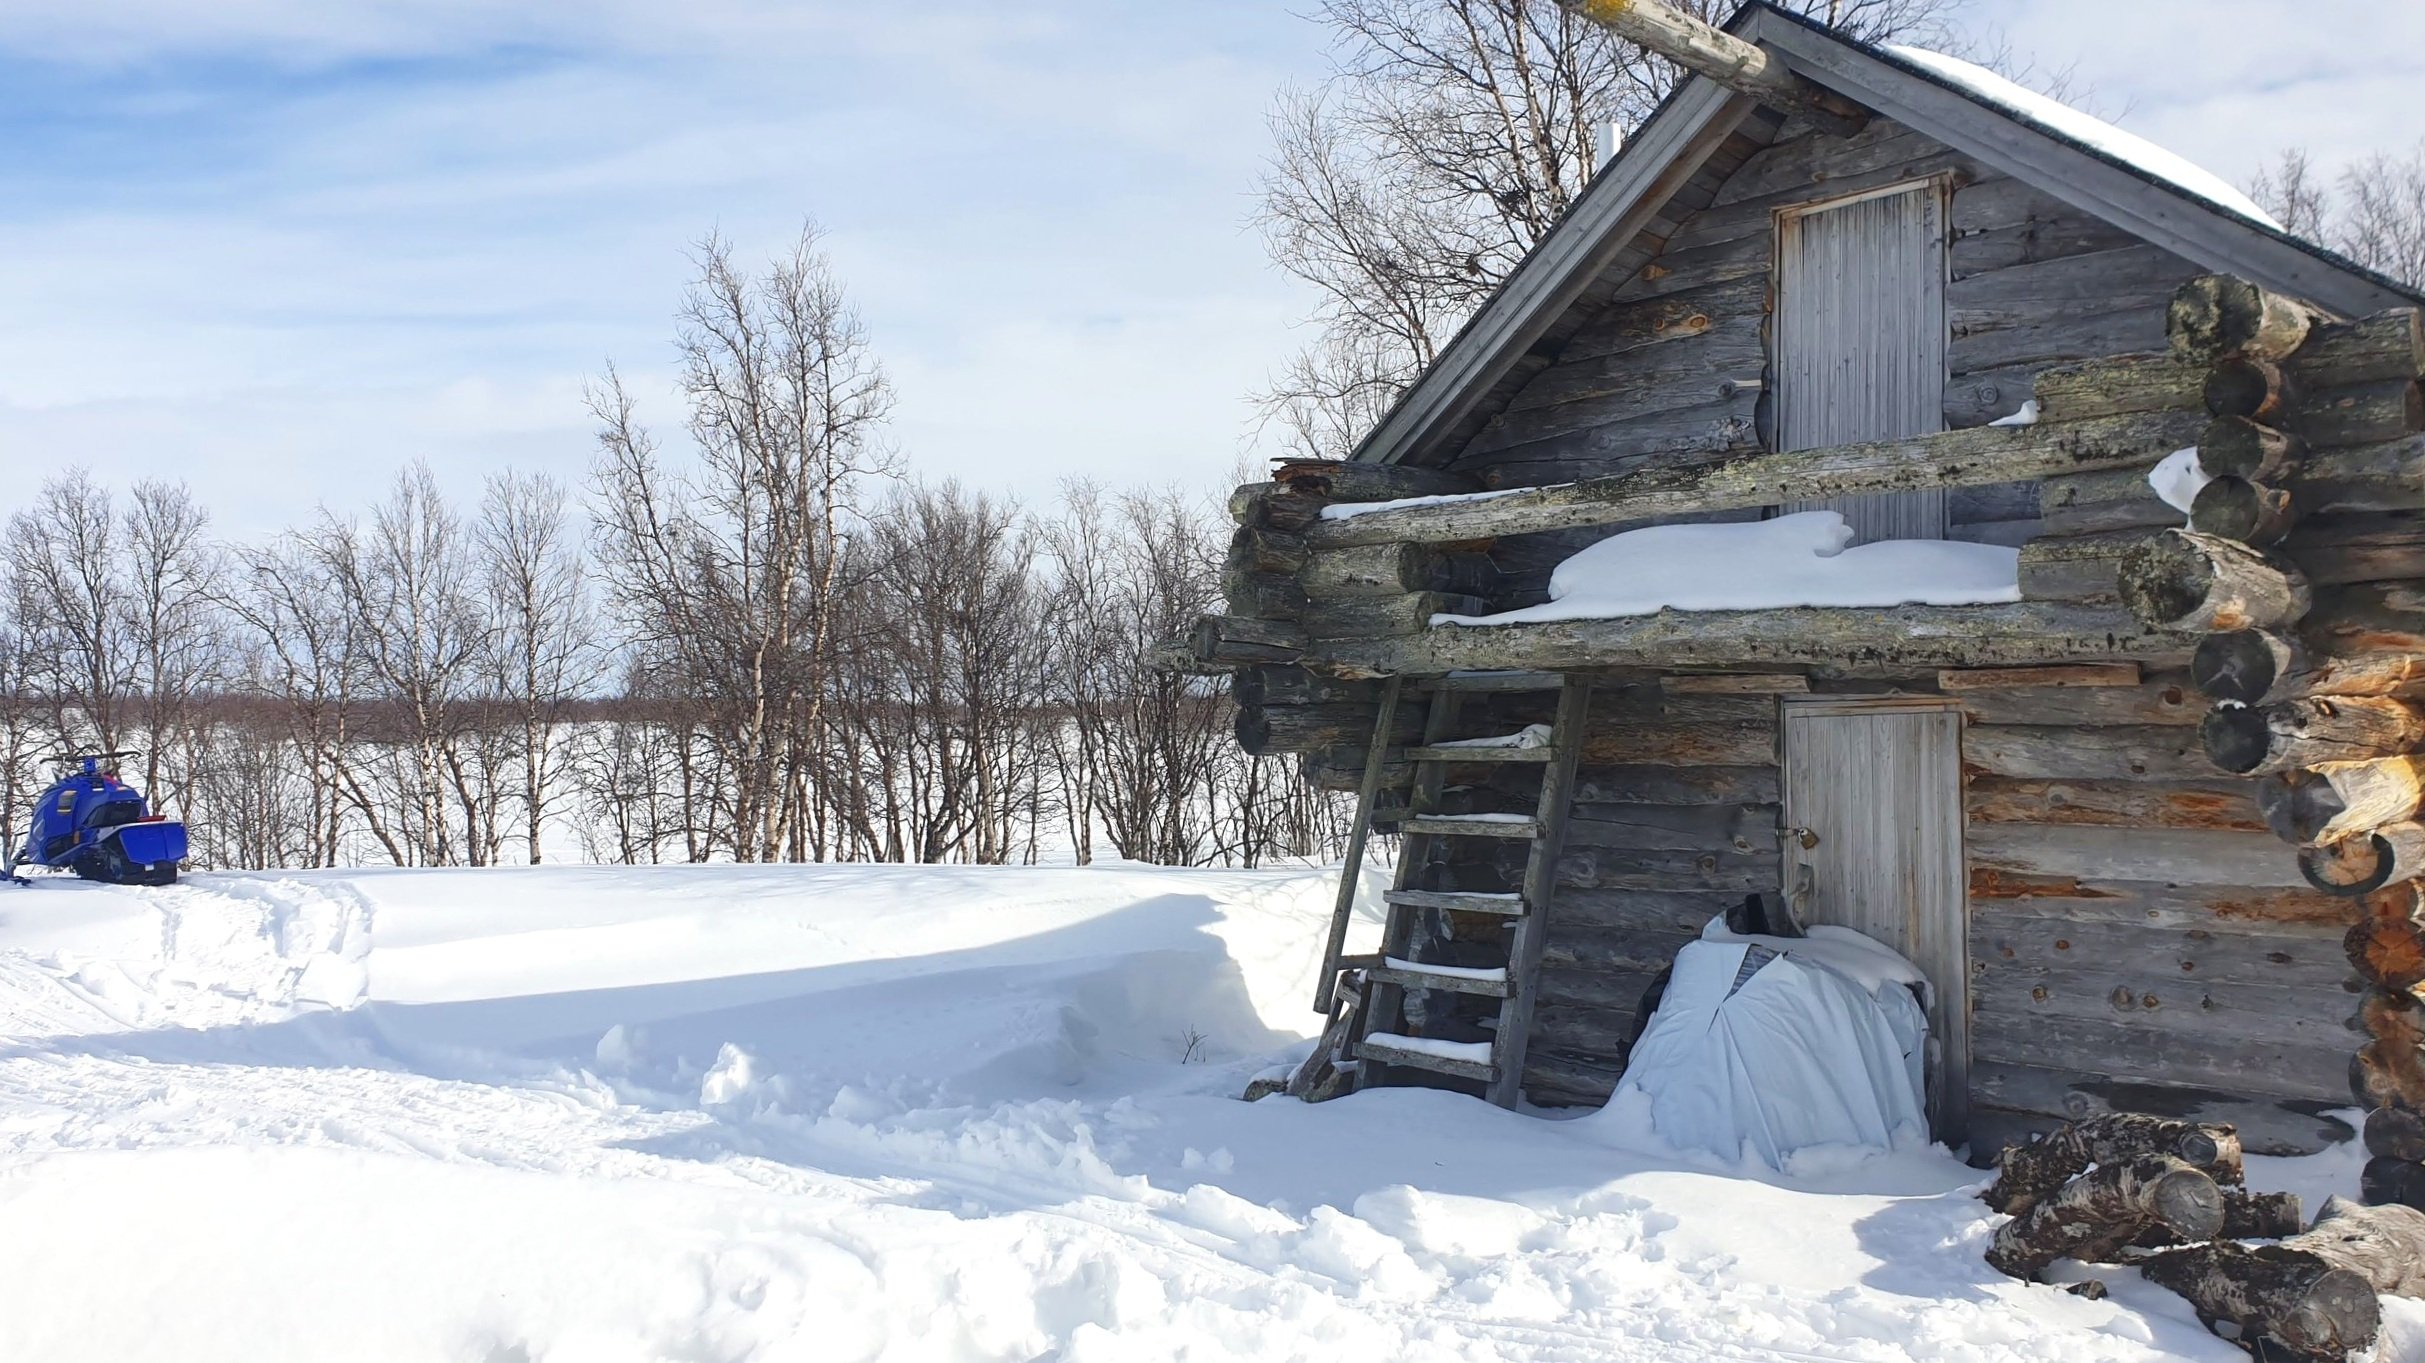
x: 2136, y: 818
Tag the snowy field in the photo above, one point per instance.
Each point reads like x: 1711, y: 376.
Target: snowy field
x: 872, y: 1113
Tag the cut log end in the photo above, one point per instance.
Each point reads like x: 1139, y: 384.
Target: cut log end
x: 2236, y: 509
x: 2349, y: 868
x: 2243, y: 665
x: 2236, y: 738
x: 2188, y: 581
x: 2242, y: 448
x: 2214, y: 316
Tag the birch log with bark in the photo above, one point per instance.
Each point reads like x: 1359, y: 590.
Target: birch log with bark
x: 2106, y: 1208
x: 2027, y: 1174
x: 2299, y: 1305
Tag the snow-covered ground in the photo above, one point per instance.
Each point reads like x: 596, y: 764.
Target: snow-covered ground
x: 869, y: 1113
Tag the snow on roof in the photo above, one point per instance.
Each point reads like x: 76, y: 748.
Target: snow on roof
x: 1796, y: 560
x: 2060, y: 118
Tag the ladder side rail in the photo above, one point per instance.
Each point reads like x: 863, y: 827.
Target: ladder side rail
x: 1326, y: 986
x: 1531, y: 933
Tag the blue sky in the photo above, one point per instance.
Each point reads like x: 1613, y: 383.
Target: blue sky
x: 277, y: 247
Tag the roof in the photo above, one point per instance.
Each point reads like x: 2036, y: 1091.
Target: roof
x: 2115, y: 177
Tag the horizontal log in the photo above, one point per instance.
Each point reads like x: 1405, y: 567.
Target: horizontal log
x: 1736, y: 684
x: 1273, y: 506
x: 1947, y: 459
x: 1333, y: 771
x: 2363, y: 864
x: 2180, y: 580
x: 1960, y: 679
x: 2387, y: 476
x: 2362, y: 641
x: 2363, y: 415
x: 2237, y: 447
x: 2110, y: 804
x: 1357, y: 481
x: 2338, y: 800
x: 1393, y: 570
x: 2306, y: 968
x: 1376, y: 617
x: 1285, y: 685
x: 2118, y: 386
x: 2181, y: 855
x: 2115, y: 753
x: 2272, y: 1066
x: 1255, y: 550
x: 2254, y: 740
x: 1226, y: 641
x: 2387, y: 345
x: 2236, y: 509
x: 2037, y: 1100
x: 2077, y: 567
x: 2155, y: 1004
x: 1741, y: 828
x: 1267, y: 730
x: 1677, y: 871
x: 2162, y: 698
x: 1667, y: 784
x: 1262, y: 596
x: 2300, y: 919
x: 1827, y: 642
x: 2109, y: 499
x: 2334, y: 551
x: 2213, y: 316
x: 2250, y: 387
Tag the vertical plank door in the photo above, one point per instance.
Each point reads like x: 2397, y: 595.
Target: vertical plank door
x: 1880, y: 784
x: 1860, y: 341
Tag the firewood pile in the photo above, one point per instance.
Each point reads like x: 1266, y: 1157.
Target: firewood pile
x: 2170, y: 1199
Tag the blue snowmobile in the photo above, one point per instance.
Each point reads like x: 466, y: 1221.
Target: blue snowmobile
x: 101, y: 828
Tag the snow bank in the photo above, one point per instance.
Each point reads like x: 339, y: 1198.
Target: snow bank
x: 2088, y: 130
x: 1796, y: 560
x: 872, y: 1115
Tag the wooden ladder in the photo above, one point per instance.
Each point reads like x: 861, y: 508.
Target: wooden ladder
x: 1383, y: 980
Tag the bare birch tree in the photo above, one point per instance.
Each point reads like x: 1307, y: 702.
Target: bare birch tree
x: 2373, y: 212
x: 729, y: 574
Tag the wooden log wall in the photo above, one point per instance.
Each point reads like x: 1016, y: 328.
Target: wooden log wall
x: 1675, y: 368
x: 2295, y: 564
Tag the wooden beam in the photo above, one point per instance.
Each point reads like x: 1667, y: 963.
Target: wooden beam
x: 1967, y: 458
x: 1736, y: 684
x: 2008, y: 678
x: 1835, y: 641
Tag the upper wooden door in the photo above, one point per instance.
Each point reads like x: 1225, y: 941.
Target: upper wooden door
x: 1860, y: 340
x: 1880, y: 785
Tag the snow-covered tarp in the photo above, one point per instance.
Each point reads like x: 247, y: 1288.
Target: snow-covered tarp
x: 1765, y: 1047
x: 1796, y: 560
x: 2088, y: 130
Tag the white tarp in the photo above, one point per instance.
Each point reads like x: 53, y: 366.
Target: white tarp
x: 1764, y: 1046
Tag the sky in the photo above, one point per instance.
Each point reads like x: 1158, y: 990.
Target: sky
x: 277, y: 248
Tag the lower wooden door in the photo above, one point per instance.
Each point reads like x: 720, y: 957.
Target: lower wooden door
x: 1879, y: 786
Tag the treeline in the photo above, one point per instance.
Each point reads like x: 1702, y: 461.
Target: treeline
x: 773, y: 645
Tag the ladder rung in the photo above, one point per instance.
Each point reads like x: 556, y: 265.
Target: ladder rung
x: 1496, y: 681
x: 1409, y: 976
x: 1436, y: 753
x: 1509, y: 905
x: 1474, y: 826
x: 1392, y: 1049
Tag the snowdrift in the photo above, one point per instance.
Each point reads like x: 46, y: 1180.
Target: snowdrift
x: 559, y: 1115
